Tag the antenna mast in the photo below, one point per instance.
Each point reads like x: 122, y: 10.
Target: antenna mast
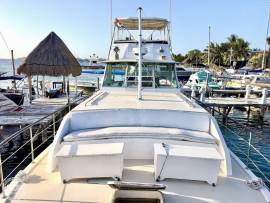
x: 170, y: 19
x: 111, y: 17
x: 209, y: 43
x: 140, y: 53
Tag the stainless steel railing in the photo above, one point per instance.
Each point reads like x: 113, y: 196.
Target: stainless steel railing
x: 241, y: 139
x: 32, y: 146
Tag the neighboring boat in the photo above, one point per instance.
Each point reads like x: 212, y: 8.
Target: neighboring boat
x: 201, y: 79
x: 90, y: 72
x: 153, y: 141
x: 15, y: 95
x: 183, y: 74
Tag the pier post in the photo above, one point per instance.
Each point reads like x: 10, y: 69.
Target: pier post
x: 248, y: 113
x: 224, y: 115
x: 98, y: 84
x: 193, y: 91
x: 213, y: 111
x: 264, y: 95
x: 202, y: 96
x: 248, y: 89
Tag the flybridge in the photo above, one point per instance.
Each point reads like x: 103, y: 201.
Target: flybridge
x: 155, y: 30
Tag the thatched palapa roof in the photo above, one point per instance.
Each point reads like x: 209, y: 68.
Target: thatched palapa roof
x: 51, y: 57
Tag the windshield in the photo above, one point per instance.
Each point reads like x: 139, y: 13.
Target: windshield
x: 153, y: 75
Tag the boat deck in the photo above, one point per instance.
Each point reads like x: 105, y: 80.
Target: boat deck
x: 41, y: 186
x: 128, y: 100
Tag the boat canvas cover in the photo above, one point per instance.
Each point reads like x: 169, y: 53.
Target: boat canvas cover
x: 147, y: 23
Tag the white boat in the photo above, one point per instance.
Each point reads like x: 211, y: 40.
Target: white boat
x: 154, y: 143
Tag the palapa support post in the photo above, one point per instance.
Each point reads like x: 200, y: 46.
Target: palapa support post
x: 64, y: 84
x: 43, y: 86
x: 68, y: 89
x: 76, y: 87
x: 37, y: 87
x: 30, y: 88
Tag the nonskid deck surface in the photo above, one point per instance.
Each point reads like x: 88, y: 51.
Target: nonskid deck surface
x: 42, y: 186
x: 128, y: 99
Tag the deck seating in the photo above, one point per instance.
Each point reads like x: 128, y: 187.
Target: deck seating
x: 90, y: 161
x: 140, y: 132
x: 200, y: 163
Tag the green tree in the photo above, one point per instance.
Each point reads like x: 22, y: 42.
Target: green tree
x: 240, y: 48
x: 179, y: 57
x: 256, y: 60
x: 216, y: 54
x: 194, y: 56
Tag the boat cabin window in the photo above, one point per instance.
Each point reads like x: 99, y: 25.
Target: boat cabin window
x: 153, y: 75
x: 115, y: 75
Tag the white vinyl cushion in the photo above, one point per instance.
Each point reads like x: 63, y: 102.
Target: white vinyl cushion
x: 137, y: 132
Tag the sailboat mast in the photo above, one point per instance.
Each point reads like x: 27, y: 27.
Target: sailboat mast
x: 13, y: 66
x: 139, y: 54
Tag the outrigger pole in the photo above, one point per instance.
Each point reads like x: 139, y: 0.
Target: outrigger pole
x: 140, y: 53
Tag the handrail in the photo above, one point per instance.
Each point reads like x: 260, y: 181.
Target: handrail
x: 248, y: 143
x: 60, y: 113
x: 38, y: 121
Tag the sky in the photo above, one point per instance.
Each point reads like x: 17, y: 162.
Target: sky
x: 84, y: 25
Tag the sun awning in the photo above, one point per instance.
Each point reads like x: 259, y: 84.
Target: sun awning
x: 147, y: 23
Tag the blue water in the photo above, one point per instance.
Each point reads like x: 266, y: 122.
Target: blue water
x: 259, y: 138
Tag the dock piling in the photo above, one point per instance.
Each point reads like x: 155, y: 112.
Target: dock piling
x: 264, y: 95
x: 202, y: 94
x: 248, y: 90
x: 193, y: 91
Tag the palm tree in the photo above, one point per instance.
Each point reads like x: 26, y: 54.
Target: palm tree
x: 239, y: 46
x: 216, y: 56
x: 194, y: 56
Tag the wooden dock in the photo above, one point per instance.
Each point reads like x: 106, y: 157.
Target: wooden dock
x: 236, y: 102
x: 226, y: 104
x: 27, y: 114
